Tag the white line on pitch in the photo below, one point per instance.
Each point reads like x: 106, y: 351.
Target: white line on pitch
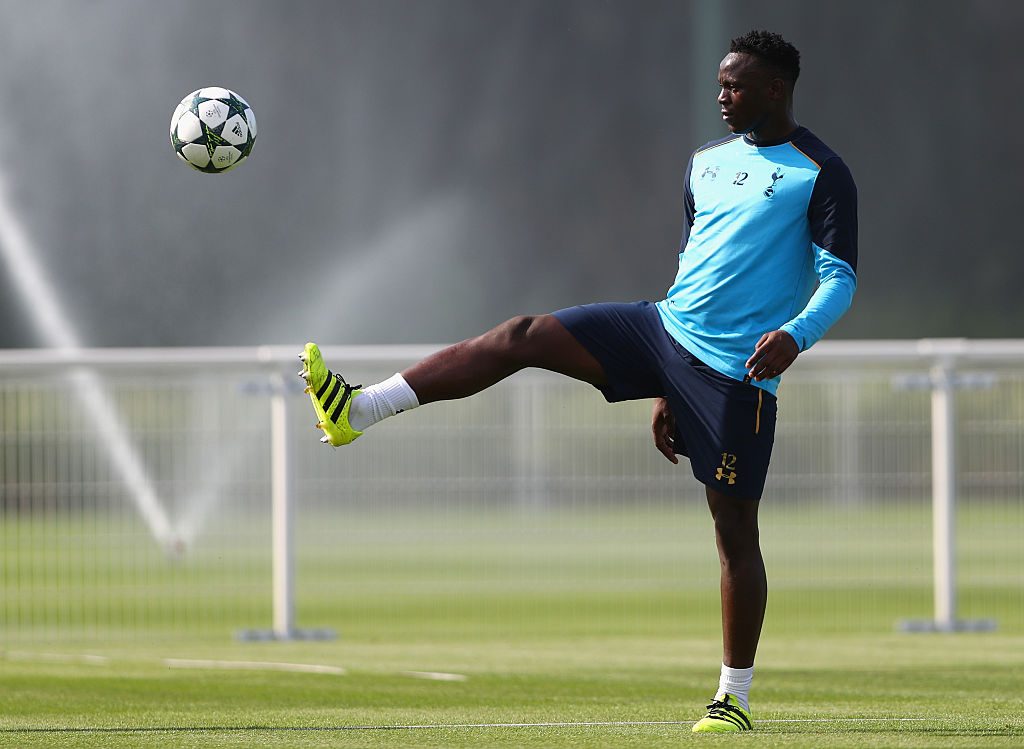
x: 839, y: 720
x: 414, y: 727
x: 612, y: 723
x: 306, y: 668
x: 435, y: 676
x: 92, y: 660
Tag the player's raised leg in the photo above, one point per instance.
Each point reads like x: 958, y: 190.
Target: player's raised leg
x: 344, y: 411
x: 471, y: 366
x: 744, y: 590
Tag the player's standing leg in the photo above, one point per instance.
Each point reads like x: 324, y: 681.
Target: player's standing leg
x: 744, y: 589
x: 344, y: 411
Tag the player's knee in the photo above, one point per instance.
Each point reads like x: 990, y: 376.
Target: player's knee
x: 737, y: 534
x: 518, y: 336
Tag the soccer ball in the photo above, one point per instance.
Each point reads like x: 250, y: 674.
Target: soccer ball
x: 213, y: 129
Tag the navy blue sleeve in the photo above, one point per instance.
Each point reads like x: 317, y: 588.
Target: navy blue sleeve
x: 688, y: 206
x: 833, y: 211
x: 833, y: 218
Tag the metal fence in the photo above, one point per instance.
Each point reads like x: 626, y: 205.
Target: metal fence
x: 184, y: 492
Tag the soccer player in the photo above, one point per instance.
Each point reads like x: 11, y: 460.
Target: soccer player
x: 767, y: 264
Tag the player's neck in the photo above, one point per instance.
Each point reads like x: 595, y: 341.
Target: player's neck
x: 773, y: 129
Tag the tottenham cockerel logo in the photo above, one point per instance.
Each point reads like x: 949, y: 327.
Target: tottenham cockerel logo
x: 776, y: 176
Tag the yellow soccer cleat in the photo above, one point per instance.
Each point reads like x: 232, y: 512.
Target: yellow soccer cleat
x: 332, y: 398
x: 724, y: 716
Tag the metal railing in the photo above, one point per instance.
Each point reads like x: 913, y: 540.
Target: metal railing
x: 855, y: 426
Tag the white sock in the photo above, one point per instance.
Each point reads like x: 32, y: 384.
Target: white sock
x: 736, y: 681
x: 380, y: 401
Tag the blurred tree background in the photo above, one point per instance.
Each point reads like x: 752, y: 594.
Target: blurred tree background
x: 427, y: 169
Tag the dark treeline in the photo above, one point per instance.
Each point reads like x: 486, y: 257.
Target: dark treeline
x: 427, y: 169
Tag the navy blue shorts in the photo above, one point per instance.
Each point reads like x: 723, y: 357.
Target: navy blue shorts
x: 726, y: 427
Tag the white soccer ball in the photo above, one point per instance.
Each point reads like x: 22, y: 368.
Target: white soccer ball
x: 213, y: 129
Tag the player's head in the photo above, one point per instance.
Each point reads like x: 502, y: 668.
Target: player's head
x: 757, y: 79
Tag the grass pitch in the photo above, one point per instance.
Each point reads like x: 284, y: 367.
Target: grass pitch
x: 580, y: 627
x: 891, y: 690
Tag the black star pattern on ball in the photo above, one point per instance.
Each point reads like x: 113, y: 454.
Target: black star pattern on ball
x: 235, y: 106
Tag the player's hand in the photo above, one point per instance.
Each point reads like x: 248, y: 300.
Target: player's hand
x: 663, y: 424
x: 772, y: 356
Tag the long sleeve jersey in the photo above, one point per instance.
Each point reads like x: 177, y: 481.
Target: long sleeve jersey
x: 769, y: 243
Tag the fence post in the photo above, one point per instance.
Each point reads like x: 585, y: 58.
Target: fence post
x: 282, y: 500
x: 281, y: 512
x: 944, y: 382
x: 944, y: 496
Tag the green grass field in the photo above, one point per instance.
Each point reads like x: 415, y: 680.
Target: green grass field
x: 602, y: 622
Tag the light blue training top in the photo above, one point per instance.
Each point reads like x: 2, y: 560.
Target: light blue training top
x: 769, y: 243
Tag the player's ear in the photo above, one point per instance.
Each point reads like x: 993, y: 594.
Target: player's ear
x: 776, y: 89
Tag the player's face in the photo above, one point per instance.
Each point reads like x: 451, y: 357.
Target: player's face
x: 745, y: 96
